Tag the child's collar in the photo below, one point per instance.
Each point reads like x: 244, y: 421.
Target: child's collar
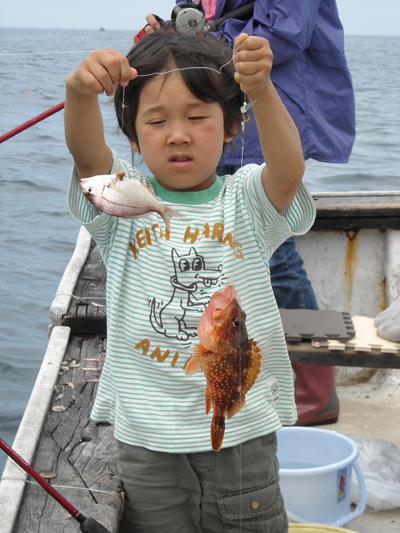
x: 188, y: 198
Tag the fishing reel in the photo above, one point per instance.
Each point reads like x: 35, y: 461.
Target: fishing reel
x: 187, y: 17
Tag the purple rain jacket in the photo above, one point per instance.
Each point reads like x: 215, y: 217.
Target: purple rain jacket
x: 309, y: 72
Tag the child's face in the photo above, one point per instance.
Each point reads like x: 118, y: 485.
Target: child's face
x: 180, y: 137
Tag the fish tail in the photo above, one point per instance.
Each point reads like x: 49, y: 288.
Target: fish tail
x: 167, y: 214
x: 217, y: 432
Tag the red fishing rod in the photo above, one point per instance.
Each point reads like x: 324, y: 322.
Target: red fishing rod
x: 32, y: 121
x: 87, y: 525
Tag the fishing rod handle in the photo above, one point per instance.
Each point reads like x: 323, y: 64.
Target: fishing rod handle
x: 41, y: 481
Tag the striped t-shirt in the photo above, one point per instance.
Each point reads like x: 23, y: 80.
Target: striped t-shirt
x: 159, y: 283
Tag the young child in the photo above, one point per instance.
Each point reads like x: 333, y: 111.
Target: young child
x: 179, y: 110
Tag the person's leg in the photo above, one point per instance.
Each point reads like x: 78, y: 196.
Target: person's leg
x: 290, y: 283
x: 240, y: 488
x: 315, y: 392
x: 162, y: 492
x: 315, y: 395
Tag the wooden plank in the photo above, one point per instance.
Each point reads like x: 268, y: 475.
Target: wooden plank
x: 87, y: 311
x: 83, y: 455
x: 358, y: 204
x: 355, y: 223
x: 306, y: 354
x: 62, y: 298
x: 357, y: 211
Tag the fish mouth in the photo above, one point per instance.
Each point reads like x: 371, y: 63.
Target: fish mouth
x: 223, y: 301
x: 212, y: 320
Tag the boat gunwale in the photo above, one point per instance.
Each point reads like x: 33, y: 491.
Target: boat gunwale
x: 13, y: 480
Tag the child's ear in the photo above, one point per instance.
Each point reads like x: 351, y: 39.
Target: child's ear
x: 233, y: 127
x: 135, y: 146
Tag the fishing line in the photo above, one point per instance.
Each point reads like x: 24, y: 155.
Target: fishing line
x: 246, y: 106
x: 123, y: 107
x: 244, y: 109
x: 177, y: 69
x: 164, y: 73
x: 116, y: 498
x: 219, y: 71
x: 11, y: 54
x: 245, y: 118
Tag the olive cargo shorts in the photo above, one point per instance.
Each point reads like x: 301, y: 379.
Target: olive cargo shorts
x: 234, y: 490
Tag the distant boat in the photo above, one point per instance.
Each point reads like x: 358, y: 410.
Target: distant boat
x: 102, y: 28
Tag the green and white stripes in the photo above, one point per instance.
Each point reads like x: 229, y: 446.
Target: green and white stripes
x: 157, y: 287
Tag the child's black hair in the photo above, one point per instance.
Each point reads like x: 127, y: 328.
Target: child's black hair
x: 164, y: 50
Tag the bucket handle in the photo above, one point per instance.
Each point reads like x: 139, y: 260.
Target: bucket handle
x: 362, y: 500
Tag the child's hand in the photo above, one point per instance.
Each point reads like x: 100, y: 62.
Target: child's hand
x: 100, y: 72
x: 253, y: 63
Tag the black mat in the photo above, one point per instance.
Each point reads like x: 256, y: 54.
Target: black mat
x: 306, y: 324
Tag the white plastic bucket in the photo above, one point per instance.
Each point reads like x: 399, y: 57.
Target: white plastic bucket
x: 315, y: 475
x: 316, y: 528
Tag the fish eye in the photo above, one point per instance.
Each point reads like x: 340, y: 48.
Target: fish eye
x: 89, y: 191
x: 236, y: 322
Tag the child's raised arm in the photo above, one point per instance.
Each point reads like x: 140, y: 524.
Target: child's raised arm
x: 84, y: 134
x: 279, y: 138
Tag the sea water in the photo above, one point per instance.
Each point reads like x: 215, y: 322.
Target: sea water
x: 37, y: 234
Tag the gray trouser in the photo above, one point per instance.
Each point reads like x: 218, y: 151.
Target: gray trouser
x: 234, y: 490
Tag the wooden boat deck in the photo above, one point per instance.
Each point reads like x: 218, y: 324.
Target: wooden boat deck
x: 78, y: 453
x: 82, y: 455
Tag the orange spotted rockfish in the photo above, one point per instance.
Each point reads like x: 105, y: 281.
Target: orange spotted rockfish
x: 230, y: 360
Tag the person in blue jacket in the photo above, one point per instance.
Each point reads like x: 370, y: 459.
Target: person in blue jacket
x: 311, y: 76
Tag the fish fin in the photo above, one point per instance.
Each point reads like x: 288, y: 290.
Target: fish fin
x: 254, y: 365
x: 201, y: 353
x: 239, y: 403
x: 250, y: 376
x: 217, y: 432
x: 192, y: 366
x: 116, y: 194
x: 119, y: 176
x: 167, y: 214
x: 208, y: 399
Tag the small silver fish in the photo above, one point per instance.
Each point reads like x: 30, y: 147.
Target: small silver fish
x: 125, y: 198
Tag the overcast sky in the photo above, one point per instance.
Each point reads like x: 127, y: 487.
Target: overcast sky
x: 359, y: 17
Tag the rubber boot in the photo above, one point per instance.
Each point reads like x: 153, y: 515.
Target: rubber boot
x: 315, y: 395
